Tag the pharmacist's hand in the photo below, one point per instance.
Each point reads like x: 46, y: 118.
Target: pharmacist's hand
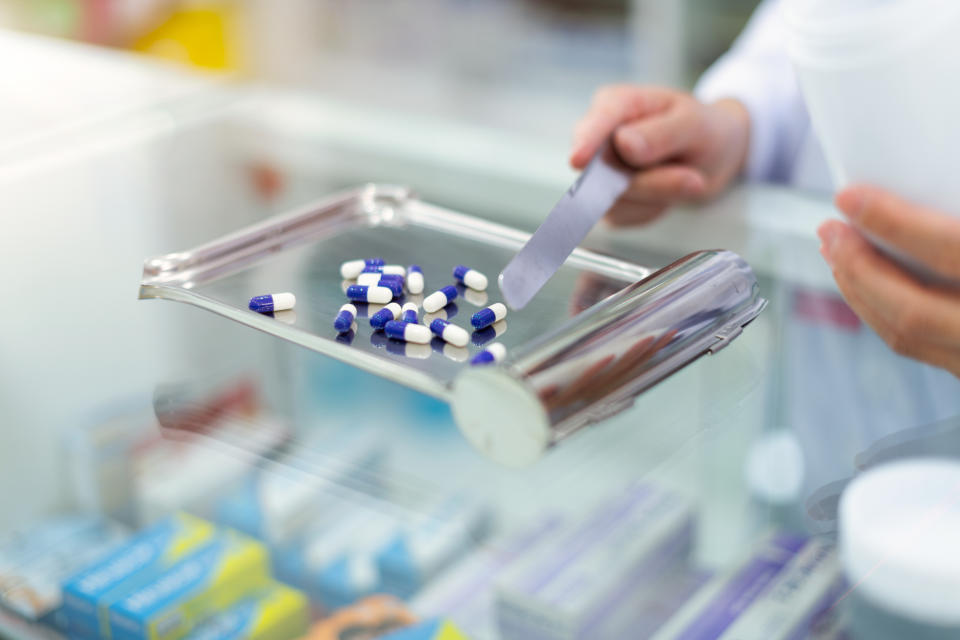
x: 683, y: 150
x: 918, y: 320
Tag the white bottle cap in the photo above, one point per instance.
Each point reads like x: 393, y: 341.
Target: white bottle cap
x: 899, y: 527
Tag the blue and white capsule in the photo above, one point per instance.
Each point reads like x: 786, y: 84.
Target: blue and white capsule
x: 470, y: 277
x: 350, y: 269
x: 370, y: 278
x: 486, y: 317
x: 394, y: 270
x: 450, y: 332
x: 408, y: 332
x: 345, y: 318
x: 439, y: 299
x: 409, y: 313
x: 395, y: 286
x: 386, y: 269
x: 273, y: 302
x: 491, y: 355
x: 414, y: 279
x: 389, y: 313
x: 376, y: 295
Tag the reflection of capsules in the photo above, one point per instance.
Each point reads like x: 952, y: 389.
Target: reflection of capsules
x: 457, y: 354
x: 474, y: 297
x: 272, y: 302
x: 470, y: 277
x: 353, y: 268
x: 491, y: 355
x: 379, y: 295
x: 409, y: 313
x: 450, y: 332
x: 365, y: 310
x: 379, y: 339
x: 439, y: 299
x: 488, y: 334
x: 347, y: 337
x: 390, y: 312
x: 449, y: 312
x: 414, y: 279
x: 286, y: 317
x: 486, y: 317
x: 407, y: 332
x: 408, y: 349
x: 345, y: 319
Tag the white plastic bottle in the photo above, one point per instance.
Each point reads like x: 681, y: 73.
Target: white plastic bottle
x: 880, y: 81
x: 899, y: 527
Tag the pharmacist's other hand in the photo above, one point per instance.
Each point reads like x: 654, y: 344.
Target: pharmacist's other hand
x: 683, y: 150
x: 917, y: 320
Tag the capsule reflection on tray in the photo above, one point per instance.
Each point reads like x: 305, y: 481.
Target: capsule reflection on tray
x: 348, y: 336
x: 476, y: 298
x: 457, y: 354
x: 487, y: 335
x: 409, y: 349
x: 448, y: 312
x: 286, y: 317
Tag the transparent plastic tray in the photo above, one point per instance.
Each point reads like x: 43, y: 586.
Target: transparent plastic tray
x: 624, y: 325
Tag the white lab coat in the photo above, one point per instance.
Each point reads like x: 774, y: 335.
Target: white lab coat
x: 758, y: 72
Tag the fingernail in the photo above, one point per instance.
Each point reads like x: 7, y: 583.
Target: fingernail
x: 693, y: 185
x: 635, y: 144
x: 828, y: 237
x: 851, y: 202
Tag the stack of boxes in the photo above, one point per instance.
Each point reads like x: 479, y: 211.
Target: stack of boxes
x: 182, y: 574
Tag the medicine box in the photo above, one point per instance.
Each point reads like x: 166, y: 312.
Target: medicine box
x: 275, y: 613
x: 88, y: 594
x: 590, y: 580
x: 211, y: 580
x: 776, y: 594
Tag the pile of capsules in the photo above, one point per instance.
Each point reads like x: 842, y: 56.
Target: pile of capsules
x: 372, y: 281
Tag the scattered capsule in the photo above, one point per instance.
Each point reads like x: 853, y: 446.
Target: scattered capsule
x: 474, y: 297
x: 345, y: 319
x: 470, y: 277
x: 409, y: 313
x: 369, y: 278
x: 408, y: 332
x: 481, y: 337
x: 450, y: 333
x: 272, y: 302
x: 385, y: 315
x: 439, y: 299
x: 395, y: 286
x: 394, y: 270
x: 378, y: 295
x: 352, y: 268
x: 492, y: 354
x: 486, y: 317
x: 414, y: 279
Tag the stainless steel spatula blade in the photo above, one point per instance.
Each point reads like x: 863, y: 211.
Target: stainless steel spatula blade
x: 598, y: 187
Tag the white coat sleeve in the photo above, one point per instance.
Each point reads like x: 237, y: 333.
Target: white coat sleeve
x: 758, y: 72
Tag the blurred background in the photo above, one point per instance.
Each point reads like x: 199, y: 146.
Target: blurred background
x: 136, y: 128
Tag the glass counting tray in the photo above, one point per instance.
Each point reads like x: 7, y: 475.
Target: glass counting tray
x: 601, y: 331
